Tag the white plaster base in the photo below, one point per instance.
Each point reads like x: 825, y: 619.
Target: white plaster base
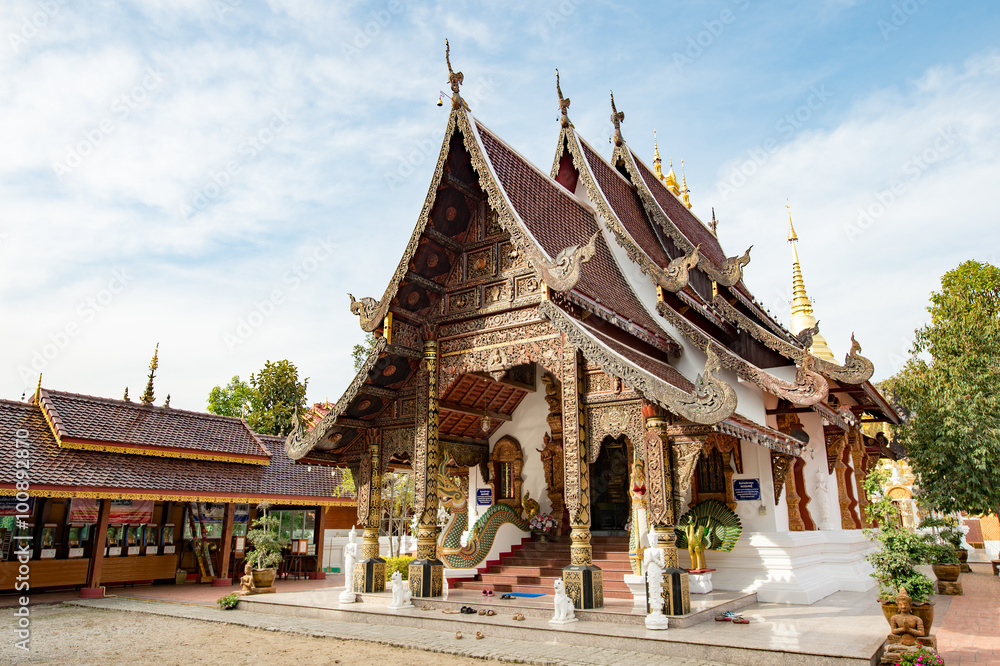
x: 700, y: 583
x: 408, y: 604
x: 569, y: 621
x: 348, y: 597
x: 637, y: 586
x: 656, y: 621
x: 793, y: 567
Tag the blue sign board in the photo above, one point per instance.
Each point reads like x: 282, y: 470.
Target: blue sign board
x: 746, y: 490
x: 484, y: 497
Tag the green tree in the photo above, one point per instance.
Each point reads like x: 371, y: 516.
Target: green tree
x: 267, y: 402
x: 950, y: 389
x: 360, y: 352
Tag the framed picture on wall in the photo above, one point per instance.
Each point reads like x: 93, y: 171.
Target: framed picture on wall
x: 239, y: 545
x: 113, y: 548
x: 76, y: 537
x: 150, y: 532
x: 48, y: 551
x: 133, y: 538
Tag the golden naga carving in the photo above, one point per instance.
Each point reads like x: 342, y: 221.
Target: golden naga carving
x: 529, y: 506
x: 712, y: 400
x: 563, y: 272
x: 563, y: 105
x: 856, y: 368
x: 451, y: 495
x: 808, y: 388
x: 455, y: 80
x: 730, y: 272
x: 675, y: 277
x: 781, y: 463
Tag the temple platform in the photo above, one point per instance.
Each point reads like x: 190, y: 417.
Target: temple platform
x: 844, y: 628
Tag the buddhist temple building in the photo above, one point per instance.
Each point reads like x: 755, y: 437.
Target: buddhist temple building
x: 108, y: 492
x: 576, y: 341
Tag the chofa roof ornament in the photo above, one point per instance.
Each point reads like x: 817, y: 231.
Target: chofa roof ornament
x: 455, y: 80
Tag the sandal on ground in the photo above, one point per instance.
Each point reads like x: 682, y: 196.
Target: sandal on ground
x: 723, y: 618
x: 479, y: 634
x: 491, y: 612
x: 517, y: 616
x: 468, y: 610
x: 506, y: 596
x: 458, y: 634
x: 450, y: 611
x: 488, y: 593
x: 425, y: 607
x: 482, y: 611
x: 740, y: 620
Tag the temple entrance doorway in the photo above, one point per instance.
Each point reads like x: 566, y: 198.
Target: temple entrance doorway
x: 609, y: 486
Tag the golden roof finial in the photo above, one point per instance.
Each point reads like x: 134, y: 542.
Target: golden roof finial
x: 455, y: 80
x: 802, y: 310
x: 657, y: 162
x: 563, y: 105
x: 685, y: 192
x: 38, y: 389
x: 715, y: 224
x: 147, y: 396
x: 616, y: 119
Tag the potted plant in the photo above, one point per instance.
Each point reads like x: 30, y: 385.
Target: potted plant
x: 941, y: 547
x: 266, y: 554
x: 541, y: 525
x: 897, y: 554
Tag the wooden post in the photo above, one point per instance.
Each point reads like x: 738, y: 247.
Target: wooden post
x: 42, y: 506
x: 320, y: 529
x: 225, y: 578
x: 94, y: 589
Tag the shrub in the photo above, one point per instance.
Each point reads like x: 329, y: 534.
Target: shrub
x: 922, y: 657
x: 229, y: 601
x: 400, y: 564
x: 267, y: 543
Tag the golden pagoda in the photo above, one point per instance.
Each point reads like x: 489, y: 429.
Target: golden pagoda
x: 670, y: 180
x: 802, y: 311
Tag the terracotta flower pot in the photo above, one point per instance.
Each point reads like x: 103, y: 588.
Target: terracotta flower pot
x: 963, y: 555
x: 947, y: 572
x: 924, y: 611
x: 264, y: 577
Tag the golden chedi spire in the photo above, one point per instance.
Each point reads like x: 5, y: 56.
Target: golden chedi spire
x: 685, y: 192
x: 670, y: 180
x: 802, y: 310
x: 147, y: 397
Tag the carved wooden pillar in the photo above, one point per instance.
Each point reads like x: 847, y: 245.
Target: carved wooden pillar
x: 426, y: 573
x: 659, y: 480
x: 552, y: 454
x: 859, y: 458
x: 836, y: 439
x: 583, y: 581
x: 795, y: 522
x: 369, y: 573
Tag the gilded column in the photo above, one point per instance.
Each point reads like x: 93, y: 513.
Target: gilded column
x: 659, y: 480
x: 426, y: 574
x: 369, y: 573
x: 583, y: 581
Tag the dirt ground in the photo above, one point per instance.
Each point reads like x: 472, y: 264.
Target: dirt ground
x: 73, y: 635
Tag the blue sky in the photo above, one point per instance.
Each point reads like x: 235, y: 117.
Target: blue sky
x: 216, y: 175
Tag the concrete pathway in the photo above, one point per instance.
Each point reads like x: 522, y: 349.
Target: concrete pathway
x: 499, y: 649
x: 969, y: 632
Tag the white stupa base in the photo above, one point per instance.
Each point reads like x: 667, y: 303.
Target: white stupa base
x: 656, y: 621
x: 700, y: 583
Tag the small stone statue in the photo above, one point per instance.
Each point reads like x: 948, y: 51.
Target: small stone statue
x: 565, y: 609
x: 654, y: 562
x: 907, y: 632
x: 401, y: 593
x: 246, y: 581
x: 350, y: 558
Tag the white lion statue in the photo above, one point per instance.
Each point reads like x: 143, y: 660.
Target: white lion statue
x: 400, y: 592
x: 565, y: 610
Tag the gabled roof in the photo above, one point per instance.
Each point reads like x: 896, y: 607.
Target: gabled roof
x: 63, y: 472
x: 88, y: 422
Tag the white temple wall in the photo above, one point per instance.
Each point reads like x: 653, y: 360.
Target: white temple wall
x: 528, y: 428
x: 757, y: 465
x: 821, y: 486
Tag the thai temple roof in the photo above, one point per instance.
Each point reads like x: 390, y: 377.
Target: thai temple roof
x: 603, y: 253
